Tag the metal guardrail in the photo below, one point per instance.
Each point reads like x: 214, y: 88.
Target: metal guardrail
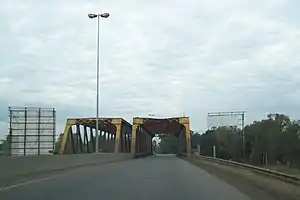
x: 267, y: 172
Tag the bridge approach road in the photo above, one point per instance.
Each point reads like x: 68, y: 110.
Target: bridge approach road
x: 160, y: 177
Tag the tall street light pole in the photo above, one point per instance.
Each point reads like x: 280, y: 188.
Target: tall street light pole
x: 92, y: 16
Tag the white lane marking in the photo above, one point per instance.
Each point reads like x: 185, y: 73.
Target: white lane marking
x: 28, y: 182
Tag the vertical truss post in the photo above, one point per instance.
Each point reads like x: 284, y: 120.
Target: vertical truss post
x: 76, y: 137
x: 186, y: 123
x: 92, y: 138
x: 72, y: 139
x: 79, y: 137
x: 65, y: 137
x: 139, y: 139
x: 105, y: 136
x: 109, y: 141
x: 188, y: 139
x: 100, y: 138
x: 134, y: 139
x: 121, y: 143
x: 118, y: 138
x: 138, y: 142
x: 143, y: 140
x: 86, y: 140
x: 125, y: 143
x: 127, y: 150
x: 129, y: 142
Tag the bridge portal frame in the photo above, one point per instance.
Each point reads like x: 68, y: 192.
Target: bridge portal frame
x: 122, y: 127
x: 184, y: 121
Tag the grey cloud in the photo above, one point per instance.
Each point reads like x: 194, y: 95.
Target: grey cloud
x: 165, y: 58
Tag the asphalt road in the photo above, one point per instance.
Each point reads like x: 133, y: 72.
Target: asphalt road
x: 161, y: 177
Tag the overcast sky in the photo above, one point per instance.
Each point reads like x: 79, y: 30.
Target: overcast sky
x: 160, y: 56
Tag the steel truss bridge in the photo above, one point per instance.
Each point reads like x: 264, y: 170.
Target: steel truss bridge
x: 119, y: 136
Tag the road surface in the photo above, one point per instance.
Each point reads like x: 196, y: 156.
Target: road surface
x: 160, y: 177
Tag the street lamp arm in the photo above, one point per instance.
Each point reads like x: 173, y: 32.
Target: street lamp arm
x: 93, y: 15
x: 104, y: 15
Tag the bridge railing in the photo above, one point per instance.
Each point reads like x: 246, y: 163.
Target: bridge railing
x: 263, y: 171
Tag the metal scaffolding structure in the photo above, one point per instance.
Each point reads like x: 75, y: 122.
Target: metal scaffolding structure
x: 218, y: 119
x: 31, y: 130
x: 229, y: 119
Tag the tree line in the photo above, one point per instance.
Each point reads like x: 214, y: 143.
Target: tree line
x: 274, y: 140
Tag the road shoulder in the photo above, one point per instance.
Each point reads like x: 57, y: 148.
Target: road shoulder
x: 256, y: 186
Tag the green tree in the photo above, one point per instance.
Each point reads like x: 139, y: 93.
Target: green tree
x: 273, y: 140
x: 207, y: 141
x: 195, y: 139
x: 168, y: 144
